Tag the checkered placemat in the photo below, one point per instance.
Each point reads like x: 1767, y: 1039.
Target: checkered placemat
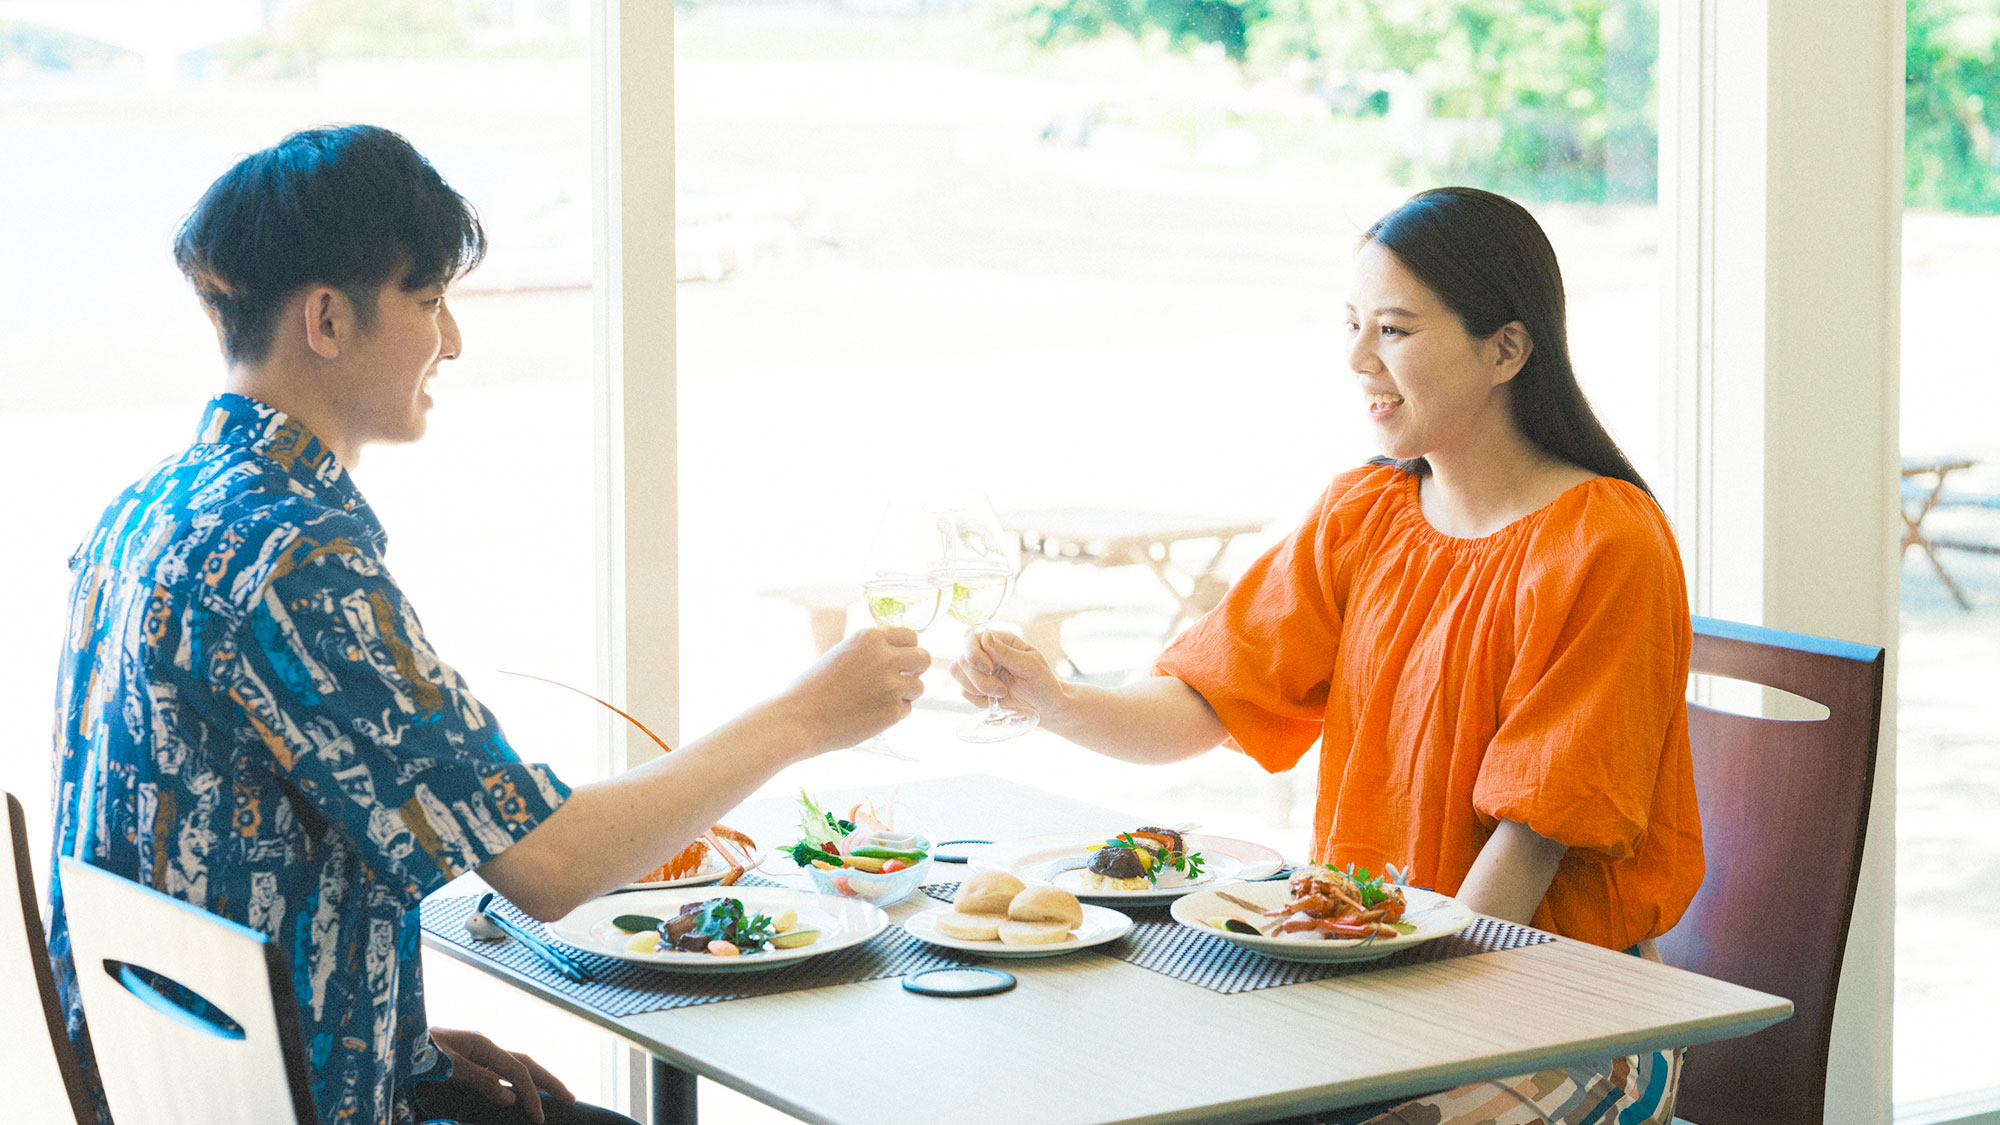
x: 625, y: 988
x: 1159, y: 943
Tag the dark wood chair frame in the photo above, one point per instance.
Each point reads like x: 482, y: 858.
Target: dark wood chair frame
x: 51, y: 1009
x: 1784, y: 812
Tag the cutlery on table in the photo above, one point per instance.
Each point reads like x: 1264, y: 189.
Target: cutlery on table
x: 1246, y: 904
x: 487, y: 925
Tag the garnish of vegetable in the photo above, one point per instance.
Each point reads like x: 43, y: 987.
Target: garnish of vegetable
x: 820, y: 832
x: 725, y: 919
x: 863, y: 843
x: 636, y: 923
x: 1152, y: 861
x: 907, y: 856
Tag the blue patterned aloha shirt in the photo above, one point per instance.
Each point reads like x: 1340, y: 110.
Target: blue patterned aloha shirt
x: 252, y: 721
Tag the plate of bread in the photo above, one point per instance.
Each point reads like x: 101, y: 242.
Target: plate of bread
x: 997, y: 915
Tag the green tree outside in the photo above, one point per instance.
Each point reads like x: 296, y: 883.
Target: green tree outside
x: 1564, y: 88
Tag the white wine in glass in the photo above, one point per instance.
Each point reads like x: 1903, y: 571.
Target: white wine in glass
x: 906, y: 601
x: 974, y: 592
x: 903, y: 600
x: 979, y: 565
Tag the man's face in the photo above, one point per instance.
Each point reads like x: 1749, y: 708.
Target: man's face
x: 393, y: 361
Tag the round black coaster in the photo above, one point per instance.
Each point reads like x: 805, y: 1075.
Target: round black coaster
x: 956, y: 855
x: 959, y: 980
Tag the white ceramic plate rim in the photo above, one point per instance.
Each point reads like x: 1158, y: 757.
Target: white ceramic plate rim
x: 1100, y: 924
x: 843, y: 922
x: 1433, y: 914
x: 711, y: 871
x: 1225, y: 860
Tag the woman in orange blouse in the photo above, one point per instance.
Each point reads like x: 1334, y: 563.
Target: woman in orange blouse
x: 1486, y: 629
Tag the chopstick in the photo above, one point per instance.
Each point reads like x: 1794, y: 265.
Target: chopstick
x: 555, y: 958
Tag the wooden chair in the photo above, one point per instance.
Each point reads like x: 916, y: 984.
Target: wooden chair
x: 192, y: 1016
x: 38, y: 1067
x: 1784, y: 809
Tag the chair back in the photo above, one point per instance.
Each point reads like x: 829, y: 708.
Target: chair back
x: 1784, y: 810
x: 192, y: 1016
x: 38, y: 1067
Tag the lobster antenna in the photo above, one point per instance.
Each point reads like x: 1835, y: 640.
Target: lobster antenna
x: 657, y: 740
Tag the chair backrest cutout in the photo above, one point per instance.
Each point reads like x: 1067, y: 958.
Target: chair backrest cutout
x: 164, y: 982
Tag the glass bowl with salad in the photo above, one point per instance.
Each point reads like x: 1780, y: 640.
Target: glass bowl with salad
x: 861, y: 855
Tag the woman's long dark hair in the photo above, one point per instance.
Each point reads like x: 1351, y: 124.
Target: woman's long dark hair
x: 1490, y: 263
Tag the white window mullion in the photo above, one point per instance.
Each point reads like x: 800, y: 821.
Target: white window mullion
x: 638, y: 587
x: 1781, y: 178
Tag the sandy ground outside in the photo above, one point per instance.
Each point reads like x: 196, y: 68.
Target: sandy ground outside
x: 1132, y: 325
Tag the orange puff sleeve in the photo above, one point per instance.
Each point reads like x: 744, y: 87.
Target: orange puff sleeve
x: 1535, y: 675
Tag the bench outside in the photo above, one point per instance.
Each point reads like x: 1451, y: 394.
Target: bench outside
x: 1040, y: 621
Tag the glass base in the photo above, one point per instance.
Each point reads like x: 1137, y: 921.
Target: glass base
x: 998, y: 726
x: 884, y: 748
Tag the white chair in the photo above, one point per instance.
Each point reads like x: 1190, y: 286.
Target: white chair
x: 38, y: 1070
x: 231, y: 1055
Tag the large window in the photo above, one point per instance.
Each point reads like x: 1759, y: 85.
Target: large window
x: 106, y: 359
x: 1084, y: 263
x: 1948, y: 860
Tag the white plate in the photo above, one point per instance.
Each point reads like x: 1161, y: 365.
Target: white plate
x: 1060, y: 860
x: 1434, y: 915
x: 841, y: 922
x: 712, y: 870
x: 1100, y: 924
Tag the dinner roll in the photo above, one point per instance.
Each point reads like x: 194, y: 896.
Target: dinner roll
x: 986, y: 892
x: 1014, y: 932
x: 1046, y: 904
x: 970, y: 927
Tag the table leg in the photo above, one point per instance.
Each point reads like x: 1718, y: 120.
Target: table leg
x: 1913, y: 536
x: 673, y: 1095
x: 1201, y: 594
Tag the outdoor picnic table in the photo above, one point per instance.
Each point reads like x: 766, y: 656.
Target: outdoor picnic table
x: 1107, y: 537
x: 1924, y: 491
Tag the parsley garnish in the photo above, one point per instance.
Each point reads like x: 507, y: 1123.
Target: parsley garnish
x: 724, y: 919
x: 1187, y: 863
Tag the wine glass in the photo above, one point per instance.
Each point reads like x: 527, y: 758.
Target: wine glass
x: 978, y: 567
x: 903, y: 593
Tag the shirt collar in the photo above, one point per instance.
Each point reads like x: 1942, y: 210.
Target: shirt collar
x: 238, y: 420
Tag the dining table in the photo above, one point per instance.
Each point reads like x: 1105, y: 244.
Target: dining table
x: 1164, y: 1024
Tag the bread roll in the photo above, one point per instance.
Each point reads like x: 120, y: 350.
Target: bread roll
x: 970, y: 927
x: 1014, y: 932
x: 1046, y: 904
x: 986, y: 892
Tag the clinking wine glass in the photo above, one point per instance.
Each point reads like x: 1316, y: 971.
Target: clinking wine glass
x: 904, y: 595
x: 977, y: 570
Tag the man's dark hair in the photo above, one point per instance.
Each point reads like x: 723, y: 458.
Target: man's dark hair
x: 346, y: 207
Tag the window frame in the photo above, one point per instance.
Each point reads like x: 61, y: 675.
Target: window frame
x: 1781, y: 211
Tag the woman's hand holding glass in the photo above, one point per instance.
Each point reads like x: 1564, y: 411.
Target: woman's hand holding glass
x: 979, y: 564
x: 1001, y: 670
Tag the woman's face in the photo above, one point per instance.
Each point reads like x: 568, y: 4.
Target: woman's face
x: 1430, y: 388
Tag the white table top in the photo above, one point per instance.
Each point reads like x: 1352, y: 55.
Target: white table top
x: 1087, y: 1038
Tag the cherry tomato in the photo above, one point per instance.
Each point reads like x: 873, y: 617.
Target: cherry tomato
x: 889, y: 865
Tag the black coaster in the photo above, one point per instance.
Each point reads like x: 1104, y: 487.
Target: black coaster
x: 956, y: 851
x: 959, y: 980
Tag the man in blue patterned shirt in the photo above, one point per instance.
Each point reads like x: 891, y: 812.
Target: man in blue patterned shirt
x: 252, y: 719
